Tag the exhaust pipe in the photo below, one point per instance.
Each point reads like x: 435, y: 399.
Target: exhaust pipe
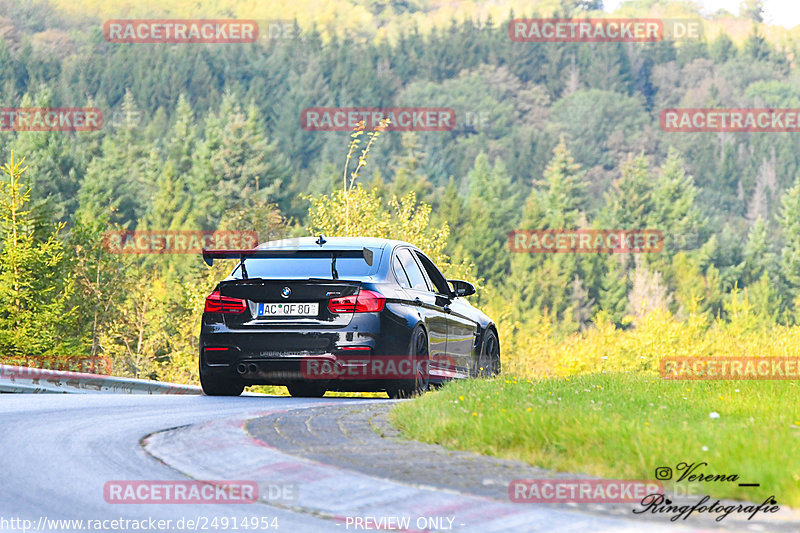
x: 252, y: 368
x: 241, y: 368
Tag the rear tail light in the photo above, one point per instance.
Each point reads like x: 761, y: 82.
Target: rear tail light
x: 216, y: 303
x: 365, y: 302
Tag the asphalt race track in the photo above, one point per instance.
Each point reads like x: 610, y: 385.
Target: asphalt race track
x: 58, y: 452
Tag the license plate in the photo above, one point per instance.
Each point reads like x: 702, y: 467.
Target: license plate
x: 272, y: 354
x: 288, y: 309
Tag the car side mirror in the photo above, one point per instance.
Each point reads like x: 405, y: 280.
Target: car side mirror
x: 462, y: 288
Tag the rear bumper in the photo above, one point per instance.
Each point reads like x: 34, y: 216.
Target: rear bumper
x: 289, y: 355
x: 285, y: 355
x: 342, y: 372
x: 279, y: 371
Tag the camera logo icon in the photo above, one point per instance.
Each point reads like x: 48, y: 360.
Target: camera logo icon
x: 663, y: 473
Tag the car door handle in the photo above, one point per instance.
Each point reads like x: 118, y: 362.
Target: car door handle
x: 417, y: 301
x: 447, y: 309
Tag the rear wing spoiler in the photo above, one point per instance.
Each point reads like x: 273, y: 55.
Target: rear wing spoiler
x: 276, y: 253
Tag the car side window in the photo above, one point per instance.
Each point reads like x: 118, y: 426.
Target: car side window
x: 434, y: 275
x: 400, y: 274
x: 424, y: 272
x: 412, y: 270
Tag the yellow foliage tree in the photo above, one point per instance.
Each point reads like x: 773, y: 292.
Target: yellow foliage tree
x: 356, y: 211
x: 403, y: 219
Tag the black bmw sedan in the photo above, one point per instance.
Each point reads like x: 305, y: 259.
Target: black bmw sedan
x: 340, y: 314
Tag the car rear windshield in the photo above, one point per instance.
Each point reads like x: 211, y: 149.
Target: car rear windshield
x: 300, y: 267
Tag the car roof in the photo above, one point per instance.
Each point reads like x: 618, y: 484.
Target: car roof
x: 340, y: 243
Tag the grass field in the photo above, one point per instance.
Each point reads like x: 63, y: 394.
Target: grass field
x: 624, y: 426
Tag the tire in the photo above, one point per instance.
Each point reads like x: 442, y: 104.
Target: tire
x: 418, y: 352
x: 488, y: 364
x: 219, y: 386
x: 306, y: 390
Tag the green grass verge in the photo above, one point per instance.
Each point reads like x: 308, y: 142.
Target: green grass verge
x: 624, y: 426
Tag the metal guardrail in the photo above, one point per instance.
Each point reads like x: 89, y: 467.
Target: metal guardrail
x: 20, y: 379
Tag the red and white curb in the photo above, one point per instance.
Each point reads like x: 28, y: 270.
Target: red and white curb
x: 223, y: 449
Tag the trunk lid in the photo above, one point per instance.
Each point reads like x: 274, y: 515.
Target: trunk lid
x: 287, y: 302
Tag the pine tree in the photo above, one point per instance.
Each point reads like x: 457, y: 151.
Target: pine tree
x: 563, y: 190
x: 247, y: 164
x: 614, y: 289
x: 308, y: 88
x: 450, y: 211
x: 408, y: 175
x: 606, y: 68
x: 756, y: 47
x: 490, y: 217
x: 202, y: 182
x: 182, y: 137
x: 101, y: 278
x: 523, y: 283
x: 540, y: 281
x: 54, y: 168
x: 116, y: 179
x: 167, y: 210
x: 789, y: 220
x: 673, y: 212
x: 580, y: 304
x: 630, y: 203
x: 722, y: 48
x: 35, y: 284
x: 759, y: 259
x: 236, y: 166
